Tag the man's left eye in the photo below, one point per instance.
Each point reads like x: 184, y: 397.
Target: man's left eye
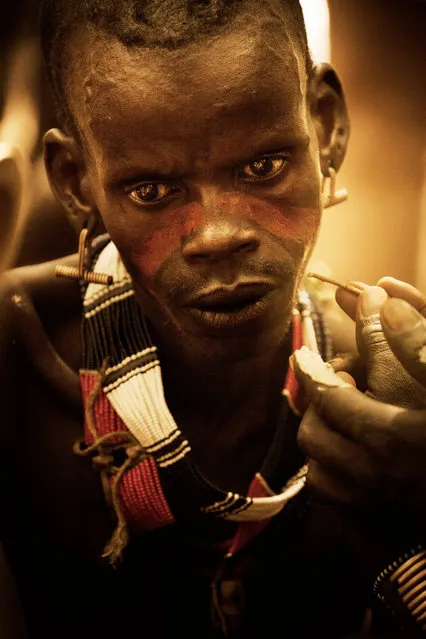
x: 263, y: 168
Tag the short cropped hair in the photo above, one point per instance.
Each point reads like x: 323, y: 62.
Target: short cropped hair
x: 168, y: 24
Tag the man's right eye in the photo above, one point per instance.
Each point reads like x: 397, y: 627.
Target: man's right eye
x: 150, y: 193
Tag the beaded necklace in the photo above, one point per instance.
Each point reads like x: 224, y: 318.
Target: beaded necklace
x: 149, y: 474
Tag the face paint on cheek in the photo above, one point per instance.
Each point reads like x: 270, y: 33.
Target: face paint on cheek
x: 298, y: 223
x: 164, y: 238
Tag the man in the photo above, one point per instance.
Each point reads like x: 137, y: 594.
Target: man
x: 198, y: 132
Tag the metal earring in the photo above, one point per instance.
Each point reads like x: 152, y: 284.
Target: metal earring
x: 81, y: 273
x: 332, y: 197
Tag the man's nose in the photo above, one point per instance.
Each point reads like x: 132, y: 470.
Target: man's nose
x: 226, y: 229
x: 220, y: 239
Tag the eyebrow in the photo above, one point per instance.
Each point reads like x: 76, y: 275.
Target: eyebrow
x: 138, y: 170
x: 277, y: 143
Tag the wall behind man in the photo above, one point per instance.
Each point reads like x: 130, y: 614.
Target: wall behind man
x: 379, y: 49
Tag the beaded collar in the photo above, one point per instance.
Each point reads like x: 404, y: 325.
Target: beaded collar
x: 149, y: 474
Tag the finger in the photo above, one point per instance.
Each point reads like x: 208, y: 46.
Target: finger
x: 404, y: 291
x: 334, y: 451
x: 351, y: 413
x: 375, y: 352
x: 369, y: 328
x: 405, y: 331
x: 342, y: 362
x: 388, y: 379
x: 346, y: 377
x: 348, y: 301
x: 352, y: 364
x: 332, y: 487
x: 371, y: 342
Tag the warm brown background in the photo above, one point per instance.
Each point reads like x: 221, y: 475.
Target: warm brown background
x: 379, y: 49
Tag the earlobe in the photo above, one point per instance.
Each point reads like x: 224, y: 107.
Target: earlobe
x: 66, y: 172
x: 330, y: 115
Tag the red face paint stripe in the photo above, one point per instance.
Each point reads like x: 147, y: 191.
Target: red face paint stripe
x: 171, y: 228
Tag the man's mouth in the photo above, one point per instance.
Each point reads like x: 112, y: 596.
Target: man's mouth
x: 228, y: 307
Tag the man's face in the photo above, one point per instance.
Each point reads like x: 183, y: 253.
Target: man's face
x: 204, y: 165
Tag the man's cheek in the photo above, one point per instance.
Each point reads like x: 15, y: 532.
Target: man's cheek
x: 165, y: 233
x: 298, y: 224
x: 281, y: 220
x: 163, y: 237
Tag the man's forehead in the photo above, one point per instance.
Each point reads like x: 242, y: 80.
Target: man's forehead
x: 243, y: 62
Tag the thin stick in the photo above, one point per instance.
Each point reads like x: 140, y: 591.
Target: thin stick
x: 352, y: 288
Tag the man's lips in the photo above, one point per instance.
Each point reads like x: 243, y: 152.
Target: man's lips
x: 227, y: 307
x: 233, y: 296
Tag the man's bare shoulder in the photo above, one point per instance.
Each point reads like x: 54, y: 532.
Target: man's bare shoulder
x: 39, y: 321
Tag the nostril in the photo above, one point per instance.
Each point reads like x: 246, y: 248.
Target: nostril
x: 219, y: 241
x: 220, y: 250
x: 198, y: 256
x: 247, y: 246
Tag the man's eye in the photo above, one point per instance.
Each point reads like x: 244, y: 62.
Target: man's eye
x: 263, y: 168
x: 151, y: 192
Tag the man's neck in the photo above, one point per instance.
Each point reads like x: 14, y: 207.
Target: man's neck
x: 228, y: 409
x: 220, y: 386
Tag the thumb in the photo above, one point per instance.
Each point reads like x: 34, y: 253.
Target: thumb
x: 405, y: 330
x: 388, y: 380
x: 370, y: 338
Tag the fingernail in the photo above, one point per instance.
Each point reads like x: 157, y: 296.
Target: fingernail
x: 372, y: 300
x: 399, y: 315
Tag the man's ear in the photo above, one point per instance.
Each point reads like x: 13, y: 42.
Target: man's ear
x: 330, y: 116
x: 66, y: 172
